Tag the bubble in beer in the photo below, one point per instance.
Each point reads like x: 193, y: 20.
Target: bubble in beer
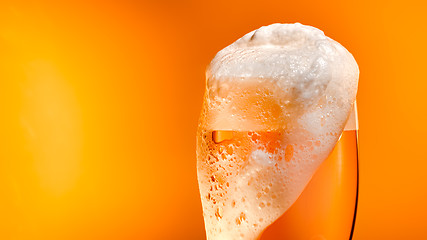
x: 276, y: 102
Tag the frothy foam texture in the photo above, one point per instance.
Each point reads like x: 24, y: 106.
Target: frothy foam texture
x: 276, y: 102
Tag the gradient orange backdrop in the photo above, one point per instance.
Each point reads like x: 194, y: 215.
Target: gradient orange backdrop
x: 99, y: 102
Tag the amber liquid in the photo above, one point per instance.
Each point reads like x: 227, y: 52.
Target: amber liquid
x: 326, y: 209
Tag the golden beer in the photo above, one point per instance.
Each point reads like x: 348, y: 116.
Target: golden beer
x: 326, y: 208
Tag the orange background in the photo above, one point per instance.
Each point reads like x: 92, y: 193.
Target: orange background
x: 99, y: 102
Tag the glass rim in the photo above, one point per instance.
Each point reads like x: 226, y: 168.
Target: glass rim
x: 352, y: 122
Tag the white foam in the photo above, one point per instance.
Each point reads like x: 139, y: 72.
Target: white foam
x: 298, y: 59
x: 282, y: 77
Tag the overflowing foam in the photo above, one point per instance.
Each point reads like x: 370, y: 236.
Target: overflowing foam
x: 292, y: 88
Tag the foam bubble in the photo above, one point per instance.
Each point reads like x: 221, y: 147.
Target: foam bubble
x: 281, y: 96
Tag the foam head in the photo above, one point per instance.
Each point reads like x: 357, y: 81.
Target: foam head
x: 285, y: 78
x: 296, y: 64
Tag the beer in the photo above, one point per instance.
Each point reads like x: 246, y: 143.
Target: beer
x: 327, y: 206
x: 276, y: 103
x: 325, y: 209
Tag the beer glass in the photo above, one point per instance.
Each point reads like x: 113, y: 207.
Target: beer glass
x: 277, y: 138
